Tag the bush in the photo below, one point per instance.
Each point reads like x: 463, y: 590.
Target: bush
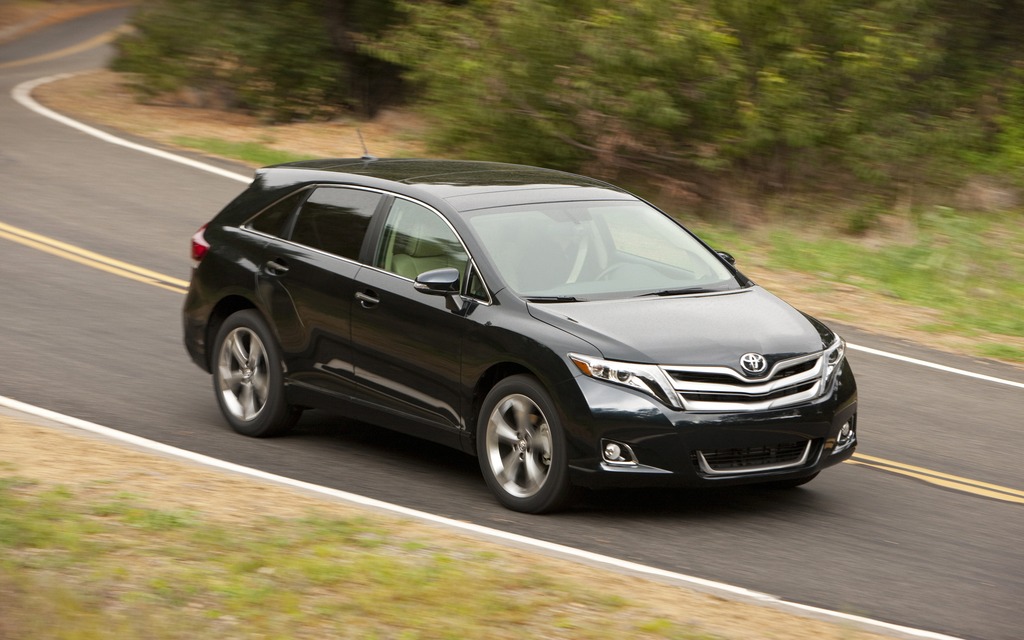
x: 273, y: 59
x: 779, y: 94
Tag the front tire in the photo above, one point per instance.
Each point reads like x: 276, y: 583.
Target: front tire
x: 248, y: 378
x: 521, y: 447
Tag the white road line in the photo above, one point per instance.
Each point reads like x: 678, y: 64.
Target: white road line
x: 571, y: 553
x: 23, y: 94
x: 933, y: 365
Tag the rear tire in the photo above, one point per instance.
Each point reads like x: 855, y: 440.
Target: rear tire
x: 248, y: 380
x: 521, y: 447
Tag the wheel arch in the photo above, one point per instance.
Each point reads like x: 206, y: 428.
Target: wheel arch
x: 224, y: 309
x: 492, y: 376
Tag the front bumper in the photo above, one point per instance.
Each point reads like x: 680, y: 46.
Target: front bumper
x: 667, y: 447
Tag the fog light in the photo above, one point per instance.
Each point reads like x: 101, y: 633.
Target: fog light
x: 618, y: 454
x: 612, y: 451
x: 847, y: 436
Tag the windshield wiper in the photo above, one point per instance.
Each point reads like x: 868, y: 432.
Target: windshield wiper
x: 676, y: 292
x: 554, y: 299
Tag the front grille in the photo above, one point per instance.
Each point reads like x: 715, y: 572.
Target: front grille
x: 738, y: 397
x: 716, y: 388
x: 720, y: 462
x: 707, y: 376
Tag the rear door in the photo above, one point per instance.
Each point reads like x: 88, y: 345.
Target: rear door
x: 307, y: 280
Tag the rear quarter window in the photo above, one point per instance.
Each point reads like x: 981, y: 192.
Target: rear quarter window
x: 275, y: 219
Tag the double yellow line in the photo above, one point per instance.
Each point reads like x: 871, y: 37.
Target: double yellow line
x: 90, y: 259
x: 940, y: 479
x: 125, y: 270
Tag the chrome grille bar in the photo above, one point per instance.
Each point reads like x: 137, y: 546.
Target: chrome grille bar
x: 716, y: 388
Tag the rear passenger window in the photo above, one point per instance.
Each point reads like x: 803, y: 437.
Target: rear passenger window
x: 273, y: 220
x: 335, y: 220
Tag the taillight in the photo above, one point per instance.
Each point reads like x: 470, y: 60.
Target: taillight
x: 199, y: 245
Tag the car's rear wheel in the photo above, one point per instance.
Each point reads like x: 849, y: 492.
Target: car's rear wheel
x: 248, y: 378
x: 521, y: 447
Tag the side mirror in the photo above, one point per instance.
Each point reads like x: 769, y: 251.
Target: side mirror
x: 438, y: 282
x: 728, y: 257
x: 441, y: 282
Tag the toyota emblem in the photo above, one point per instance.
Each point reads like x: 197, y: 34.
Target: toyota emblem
x: 753, y: 363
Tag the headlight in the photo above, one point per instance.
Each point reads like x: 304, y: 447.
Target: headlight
x: 834, y: 356
x: 648, y: 378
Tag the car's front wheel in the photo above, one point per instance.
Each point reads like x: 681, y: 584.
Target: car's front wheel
x: 521, y: 447
x: 247, y: 377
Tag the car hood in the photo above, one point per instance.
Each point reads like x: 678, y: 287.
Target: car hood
x: 700, y: 329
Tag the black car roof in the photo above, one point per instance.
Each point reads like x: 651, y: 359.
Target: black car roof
x: 465, y: 184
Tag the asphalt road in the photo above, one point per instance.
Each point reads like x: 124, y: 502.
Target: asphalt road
x: 90, y: 344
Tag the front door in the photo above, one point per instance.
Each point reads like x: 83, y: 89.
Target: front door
x: 407, y: 345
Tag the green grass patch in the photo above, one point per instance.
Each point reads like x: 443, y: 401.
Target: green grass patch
x: 253, y: 153
x: 1002, y: 352
x: 970, y: 268
x: 72, y: 566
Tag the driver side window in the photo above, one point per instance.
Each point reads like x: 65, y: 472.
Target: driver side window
x: 416, y: 240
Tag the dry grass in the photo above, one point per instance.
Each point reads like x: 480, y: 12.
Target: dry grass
x: 129, y: 536
x: 106, y: 98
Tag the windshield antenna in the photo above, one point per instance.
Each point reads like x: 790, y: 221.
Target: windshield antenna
x: 367, y: 156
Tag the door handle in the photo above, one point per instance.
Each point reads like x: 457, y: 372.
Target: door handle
x: 276, y: 267
x: 367, y: 299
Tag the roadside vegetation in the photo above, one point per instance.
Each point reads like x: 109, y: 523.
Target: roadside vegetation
x: 868, y: 143
x: 883, y: 102
x: 99, y: 541
x: 119, y: 568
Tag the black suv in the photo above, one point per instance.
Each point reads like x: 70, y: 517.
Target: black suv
x: 561, y: 329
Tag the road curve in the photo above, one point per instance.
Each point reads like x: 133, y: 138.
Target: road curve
x: 863, y: 538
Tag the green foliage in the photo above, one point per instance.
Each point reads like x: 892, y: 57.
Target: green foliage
x: 568, y: 84
x: 872, y: 97
x: 274, y: 59
x: 780, y: 93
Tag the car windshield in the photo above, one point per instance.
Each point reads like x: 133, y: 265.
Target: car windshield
x: 572, y: 251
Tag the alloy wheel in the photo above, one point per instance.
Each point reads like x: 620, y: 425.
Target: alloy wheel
x: 244, y: 379
x: 519, y: 445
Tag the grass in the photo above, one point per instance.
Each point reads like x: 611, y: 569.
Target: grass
x: 969, y: 268
x: 76, y: 567
x: 254, y: 153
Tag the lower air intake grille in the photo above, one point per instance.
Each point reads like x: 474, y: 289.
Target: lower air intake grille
x: 721, y: 462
